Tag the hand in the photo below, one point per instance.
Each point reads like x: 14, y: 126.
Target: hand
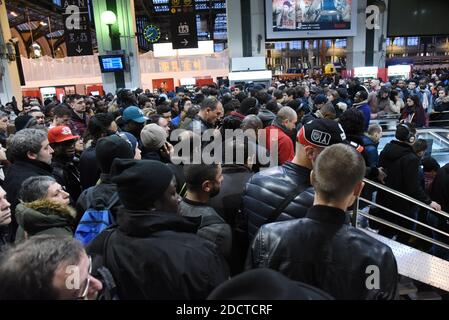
x: 3, y: 154
x: 382, y: 175
x: 79, y: 146
x: 168, y: 150
x: 435, y: 206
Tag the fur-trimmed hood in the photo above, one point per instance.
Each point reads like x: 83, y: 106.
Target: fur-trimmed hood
x: 42, y: 215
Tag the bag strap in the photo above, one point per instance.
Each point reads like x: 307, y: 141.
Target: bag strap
x: 114, y: 199
x: 277, y: 212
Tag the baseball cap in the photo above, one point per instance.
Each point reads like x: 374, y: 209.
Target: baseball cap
x: 60, y: 134
x: 153, y: 136
x: 321, y: 133
x: 134, y: 114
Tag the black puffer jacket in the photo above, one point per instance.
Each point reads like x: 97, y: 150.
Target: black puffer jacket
x: 158, y: 256
x: 323, y: 251
x: 266, y: 191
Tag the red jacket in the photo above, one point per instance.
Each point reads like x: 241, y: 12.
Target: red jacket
x: 286, y: 150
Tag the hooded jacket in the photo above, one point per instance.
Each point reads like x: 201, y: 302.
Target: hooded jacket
x: 158, y: 256
x: 44, y: 217
x: 401, y: 165
x: 364, y: 108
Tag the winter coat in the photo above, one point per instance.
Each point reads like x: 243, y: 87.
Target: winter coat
x: 324, y: 251
x: 364, y: 108
x: 213, y: 227
x: 89, y: 171
x: 44, y: 217
x: 266, y: 190
x: 401, y: 165
x: 286, y: 150
x: 67, y: 174
x: 18, y: 172
x: 158, y: 256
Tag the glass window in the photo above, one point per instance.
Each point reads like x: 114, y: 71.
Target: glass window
x: 412, y: 41
x: 340, y: 43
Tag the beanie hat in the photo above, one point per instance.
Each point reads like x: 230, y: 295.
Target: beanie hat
x: 109, y: 148
x: 23, y: 122
x: 320, y: 99
x: 266, y: 284
x: 153, y: 136
x: 140, y: 182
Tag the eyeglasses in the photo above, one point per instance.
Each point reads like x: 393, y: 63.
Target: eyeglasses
x: 86, y: 289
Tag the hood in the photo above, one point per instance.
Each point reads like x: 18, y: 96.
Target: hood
x: 396, y: 150
x: 266, y: 115
x: 40, y: 215
x: 359, y: 104
x: 144, y: 223
x: 237, y: 115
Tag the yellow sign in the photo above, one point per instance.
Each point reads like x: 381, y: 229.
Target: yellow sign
x: 329, y: 68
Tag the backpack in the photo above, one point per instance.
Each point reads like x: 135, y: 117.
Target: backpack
x: 94, y: 221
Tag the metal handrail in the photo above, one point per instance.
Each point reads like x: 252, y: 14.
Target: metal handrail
x: 404, y: 217
x: 410, y: 232
x: 405, y: 197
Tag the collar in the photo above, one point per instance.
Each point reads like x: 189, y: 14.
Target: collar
x: 105, y: 178
x: 297, y: 168
x: 281, y: 127
x: 325, y: 214
x: 194, y: 203
x: 35, y: 163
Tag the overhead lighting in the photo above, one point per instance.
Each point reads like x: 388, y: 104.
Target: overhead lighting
x: 42, y: 23
x: 13, y: 14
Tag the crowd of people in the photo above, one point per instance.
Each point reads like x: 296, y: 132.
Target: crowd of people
x: 92, y: 183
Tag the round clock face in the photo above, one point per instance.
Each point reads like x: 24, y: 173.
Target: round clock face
x: 152, y: 33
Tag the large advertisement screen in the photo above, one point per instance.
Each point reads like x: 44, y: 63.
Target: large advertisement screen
x: 292, y: 19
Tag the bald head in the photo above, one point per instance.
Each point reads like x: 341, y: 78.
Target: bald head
x: 287, y: 117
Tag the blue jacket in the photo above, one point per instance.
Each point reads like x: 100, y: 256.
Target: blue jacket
x: 366, y: 110
x: 372, y: 155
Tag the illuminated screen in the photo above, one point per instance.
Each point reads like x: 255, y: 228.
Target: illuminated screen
x: 111, y: 63
x: 290, y: 19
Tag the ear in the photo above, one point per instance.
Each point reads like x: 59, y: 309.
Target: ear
x: 312, y: 178
x: 31, y: 155
x: 309, y: 152
x: 358, y: 188
x: 206, y: 186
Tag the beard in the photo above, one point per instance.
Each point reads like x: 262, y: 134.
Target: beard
x: 214, y: 191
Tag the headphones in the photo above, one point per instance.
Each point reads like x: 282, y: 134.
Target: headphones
x: 409, y: 137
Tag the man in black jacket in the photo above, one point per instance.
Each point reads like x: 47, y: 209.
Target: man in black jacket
x: 100, y: 125
x: 100, y: 196
x: 65, y: 165
x: 154, y: 253
x: 288, y: 186
x: 401, y: 164
x: 31, y: 155
x: 321, y: 249
x: 440, y: 194
x: 210, y: 113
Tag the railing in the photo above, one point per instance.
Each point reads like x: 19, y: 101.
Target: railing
x: 412, y: 263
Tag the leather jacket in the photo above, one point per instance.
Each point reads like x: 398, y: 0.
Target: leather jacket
x: 266, y: 190
x: 322, y: 250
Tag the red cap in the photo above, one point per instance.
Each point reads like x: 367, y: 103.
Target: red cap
x: 60, y: 134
